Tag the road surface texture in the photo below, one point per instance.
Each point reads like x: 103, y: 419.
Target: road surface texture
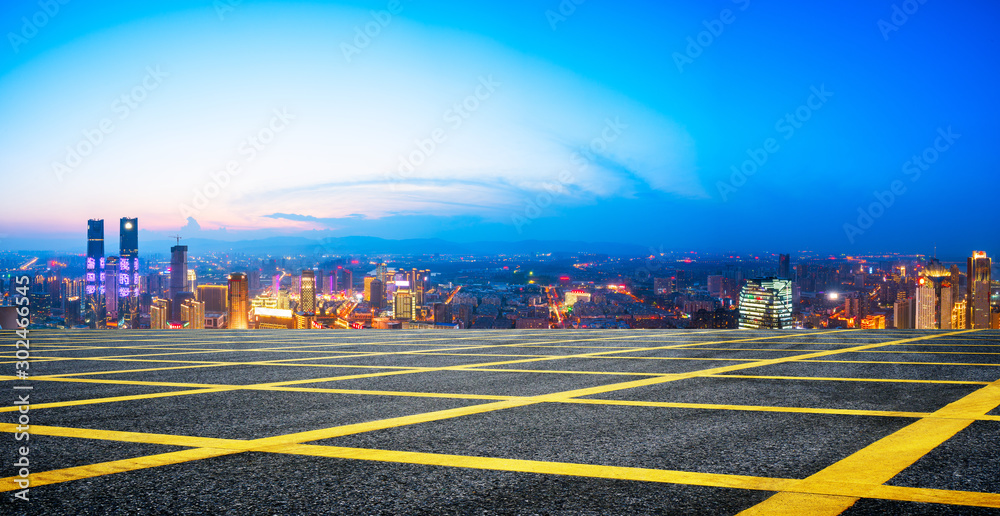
x: 505, y: 422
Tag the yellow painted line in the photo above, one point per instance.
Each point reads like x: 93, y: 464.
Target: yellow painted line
x: 645, y: 475
x: 67, y: 375
x: 901, y: 363
x: 133, y: 437
x: 882, y: 460
x: 937, y: 352
x: 532, y: 466
x: 297, y: 438
x: 749, y: 408
x: 382, y: 424
x: 548, y: 371
x: 837, y: 379
x: 114, y: 399
x: 117, y: 466
x: 124, y: 382
x: 447, y: 395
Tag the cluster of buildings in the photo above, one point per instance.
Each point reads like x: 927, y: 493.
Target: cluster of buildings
x: 679, y: 290
x: 929, y: 297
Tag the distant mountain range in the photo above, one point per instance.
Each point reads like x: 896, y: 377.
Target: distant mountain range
x: 415, y: 246
x: 361, y: 245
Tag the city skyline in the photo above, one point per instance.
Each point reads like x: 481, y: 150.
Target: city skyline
x: 132, y: 290
x: 672, y: 129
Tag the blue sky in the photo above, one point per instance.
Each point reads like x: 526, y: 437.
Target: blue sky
x: 603, y: 121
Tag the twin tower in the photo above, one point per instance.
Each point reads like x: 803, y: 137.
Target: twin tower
x: 112, y: 282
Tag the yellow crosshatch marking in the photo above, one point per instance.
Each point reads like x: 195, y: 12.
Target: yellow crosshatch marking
x: 862, y: 473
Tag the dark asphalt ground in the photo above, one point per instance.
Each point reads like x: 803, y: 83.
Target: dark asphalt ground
x: 496, y: 422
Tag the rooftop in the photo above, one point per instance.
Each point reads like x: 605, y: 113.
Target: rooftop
x: 541, y: 421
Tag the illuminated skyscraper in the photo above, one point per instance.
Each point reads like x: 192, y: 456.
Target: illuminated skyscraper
x: 307, y: 291
x: 239, y: 301
x: 958, y: 315
x: 977, y: 296
x: 380, y: 272
x: 766, y: 304
x: 178, y: 277
x: 128, y: 273
x: 403, y: 305
x: 193, y: 314
x: 111, y: 297
x: 159, y: 314
x: 367, y: 294
x: 214, y: 297
x: 94, y: 274
x: 926, y: 305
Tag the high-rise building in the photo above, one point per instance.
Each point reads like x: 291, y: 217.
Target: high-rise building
x: 715, y: 285
x: 348, y: 284
x: 903, y: 314
x: 377, y: 294
x: 239, y: 301
x: 958, y: 315
x: 71, y: 311
x: 307, y: 291
x: 956, y: 278
x: 253, y: 281
x: 663, y: 286
x: 191, y: 284
x: 784, y: 267
x: 178, y: 277
x: 94, y: 275
x: 159, y: 314
x: 977, y: 293
x: 367, y: 294
x: 419, y: 280
x: 380, y: 272
x: 215, y: 297
x: 128, y: 273
x: 926, y: 305
x: 111, y: 297
x: 766, y: 303
x: 403, y: 305
x: 945, y: 306
x: 193, y: 313
x: 320, y: 286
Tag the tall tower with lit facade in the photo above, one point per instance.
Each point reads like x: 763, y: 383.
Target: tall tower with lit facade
x: 111, y: 297
x: 128, y: 273
x: 307, y: 291
x: 934, y: 299
x: 926, y: 305
x: 977, y: 293
x: 239, y: 302
x: 766, y: 304
x: 403, y: 305
x: 178, y: 277
x: 94, y: 275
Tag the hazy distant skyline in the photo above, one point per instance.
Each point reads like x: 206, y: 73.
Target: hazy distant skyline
x: 507, y: 121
